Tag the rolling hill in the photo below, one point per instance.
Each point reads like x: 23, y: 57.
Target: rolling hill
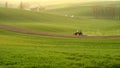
x: 81, y: 9
x: 30, y: 51
x: 45, y: 22
x: 21, y: 48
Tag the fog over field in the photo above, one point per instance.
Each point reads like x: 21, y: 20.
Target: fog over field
x: 51, y: 2
x: 59, y: 33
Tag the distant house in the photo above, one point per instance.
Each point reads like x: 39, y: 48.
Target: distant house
x: 36, y: 8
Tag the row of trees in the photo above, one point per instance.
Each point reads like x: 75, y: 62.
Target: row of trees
x: 112, y: 12
x: 23, y: 5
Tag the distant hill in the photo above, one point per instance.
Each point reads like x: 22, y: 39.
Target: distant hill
x: 45, y: 22
x: 17, y: 15
x: 84, y: 9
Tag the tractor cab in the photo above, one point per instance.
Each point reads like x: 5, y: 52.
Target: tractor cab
x: 78, y: 32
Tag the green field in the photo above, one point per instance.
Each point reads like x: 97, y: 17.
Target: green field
x: 19, y: 50
x: 28, y: 51
x: 58, y: 24
x: 84, y: 10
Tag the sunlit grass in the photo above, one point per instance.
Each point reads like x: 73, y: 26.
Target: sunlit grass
x: 58, y: 24
x: 22, y: 50
x: 19, y: 50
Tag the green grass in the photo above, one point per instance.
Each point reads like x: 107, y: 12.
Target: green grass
x: 28, y: 51
x: 77, y: 11
x: 58, y: 24
x: 81, y: 10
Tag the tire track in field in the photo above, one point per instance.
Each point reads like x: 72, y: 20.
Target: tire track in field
x: 33, y: 32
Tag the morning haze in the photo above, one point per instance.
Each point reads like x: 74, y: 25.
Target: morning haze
x: 59, y: 34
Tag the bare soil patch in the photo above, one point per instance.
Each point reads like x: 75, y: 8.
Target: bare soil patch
x: 33, y: 32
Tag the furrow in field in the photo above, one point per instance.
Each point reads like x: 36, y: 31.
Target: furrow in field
x: 33, y: 32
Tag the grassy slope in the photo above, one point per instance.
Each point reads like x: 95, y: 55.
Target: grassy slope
x: 28, y: 51
x: 21, y: 50
x: 82, y: 10
x: 76, y: 10
x: 57, y: 24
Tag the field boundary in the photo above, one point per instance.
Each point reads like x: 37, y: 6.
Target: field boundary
x: 33, y: 32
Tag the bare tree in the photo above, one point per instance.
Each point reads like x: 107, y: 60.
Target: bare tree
x: 21, y: 5
x: 110, y: 12
x: 6, y: 4
x: 119, y: 13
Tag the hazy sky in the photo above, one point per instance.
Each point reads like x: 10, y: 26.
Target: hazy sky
x: 50, y: 2
x: 56, y: 0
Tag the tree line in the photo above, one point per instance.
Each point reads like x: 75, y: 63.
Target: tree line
x: 110, y: 12
x: 23, y: 5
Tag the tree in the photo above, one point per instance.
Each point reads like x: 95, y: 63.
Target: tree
x: 21, y: 5
x: 6, y: 4
x: 110, y: 12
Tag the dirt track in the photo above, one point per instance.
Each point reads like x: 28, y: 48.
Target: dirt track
x: 26, y: 31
